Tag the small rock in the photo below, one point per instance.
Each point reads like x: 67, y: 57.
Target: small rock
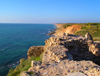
x: 35, y: 63
x: 24, y: 74
x: 89, y: 36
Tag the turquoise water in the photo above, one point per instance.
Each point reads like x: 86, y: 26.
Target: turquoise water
x: 16, y: 39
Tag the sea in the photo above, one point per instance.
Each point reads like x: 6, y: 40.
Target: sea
x: 16, y: 39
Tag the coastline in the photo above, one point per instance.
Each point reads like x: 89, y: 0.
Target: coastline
x: 52, y: 54
x: 16, y: 42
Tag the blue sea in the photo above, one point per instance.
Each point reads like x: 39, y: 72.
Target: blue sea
x: 16, y: 39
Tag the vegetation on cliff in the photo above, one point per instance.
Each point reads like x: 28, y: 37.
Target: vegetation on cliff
x: 93, y: 28
x: 66, y: 25
x: 23, y: 66
x: 67, y: 54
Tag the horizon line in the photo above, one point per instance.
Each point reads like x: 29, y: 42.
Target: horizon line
x: 49, y: 23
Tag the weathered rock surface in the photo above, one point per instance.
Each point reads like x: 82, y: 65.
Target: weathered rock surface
x: 68, y: 54
x: 35, y: 63
x: 89, y: 36
x: 76, y: 74
x: 35, y: 51
x: 55, y: 53
x: 65, y: 67
x: 79, y: 47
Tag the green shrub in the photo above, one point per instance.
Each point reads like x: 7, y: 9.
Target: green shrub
x: 23, y: 66
x: 92, y: 23
x: 93, y: 28
x: 66, y: 25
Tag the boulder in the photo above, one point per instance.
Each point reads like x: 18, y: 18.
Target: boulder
x: 89, y: 36
x: 56, y: 54
x: 35, y: 51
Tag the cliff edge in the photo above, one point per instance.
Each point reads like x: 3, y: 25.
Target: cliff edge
x: 64, y: 54
x: 67, y: 54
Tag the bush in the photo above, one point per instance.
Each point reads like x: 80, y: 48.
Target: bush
x: 92, y: 23
x: 23, y: 66
x: 93, y: 28
x: 66, y: 25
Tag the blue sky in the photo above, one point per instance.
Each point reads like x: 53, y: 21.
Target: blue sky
x: 49, y: 11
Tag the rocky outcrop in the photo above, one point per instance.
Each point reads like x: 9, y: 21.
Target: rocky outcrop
x: 65, y: 67
x: 89, y: 36
x: 68, y: 54
x: 52, y: 32
x: 55, y: 53
x: 35, y: 51
x: 79, y: 47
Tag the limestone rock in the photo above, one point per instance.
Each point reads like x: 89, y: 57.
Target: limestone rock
x: 76, y: 74
x: 35, y: 51
x: 68, y: 54
x: 65, y: 67
x: 79, y: 48
x: 35, y: 63
x: 89, y: 36
x: 56, y: 54
x: 95, y: 49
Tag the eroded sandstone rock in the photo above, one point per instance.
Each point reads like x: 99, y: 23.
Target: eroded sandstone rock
x: 35, y: 51
x: 56, y: 53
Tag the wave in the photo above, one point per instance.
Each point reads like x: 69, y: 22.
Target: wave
x: 48, y: 29
x: 5, y: 48
x: 10, y: 65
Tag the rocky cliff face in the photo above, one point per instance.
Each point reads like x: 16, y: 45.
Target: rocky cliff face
x: 70, y: 29
x: 80, y: 48
x: 67, y: 54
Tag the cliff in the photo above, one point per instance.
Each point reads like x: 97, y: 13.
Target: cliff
x: 66, y: 28
x: 65, y: 54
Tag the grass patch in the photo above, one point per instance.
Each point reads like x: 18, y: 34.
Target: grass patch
x: 66, y: 25
x: 93, y: 28
x: 23, y: 66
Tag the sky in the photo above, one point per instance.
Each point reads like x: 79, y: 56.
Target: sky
x: 49, y: 11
